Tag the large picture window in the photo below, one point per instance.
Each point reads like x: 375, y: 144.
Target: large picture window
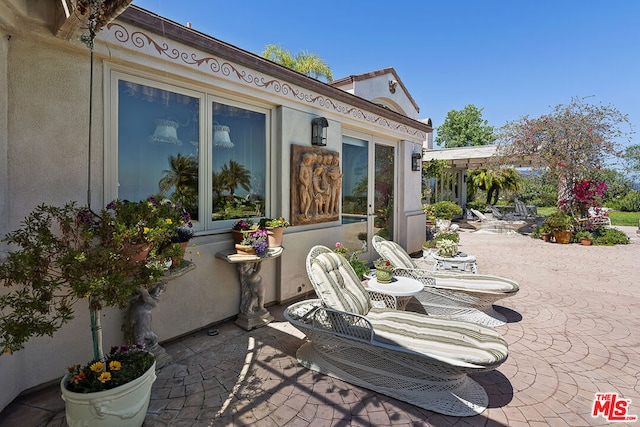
x: 211, y: 157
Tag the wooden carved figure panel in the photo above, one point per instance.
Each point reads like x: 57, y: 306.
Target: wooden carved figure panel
x: 316, y: 185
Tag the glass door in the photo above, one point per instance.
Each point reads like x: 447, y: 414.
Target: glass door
x: 367, y: 194
x: 355, y: 195
x: 383, y: 197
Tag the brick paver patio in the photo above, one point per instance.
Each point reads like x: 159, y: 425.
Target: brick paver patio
x: 573, y: 331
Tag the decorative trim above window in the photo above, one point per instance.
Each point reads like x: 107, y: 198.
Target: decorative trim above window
x: 132, y: 38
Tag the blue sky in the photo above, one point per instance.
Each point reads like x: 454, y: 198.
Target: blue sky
x: 512, y: 58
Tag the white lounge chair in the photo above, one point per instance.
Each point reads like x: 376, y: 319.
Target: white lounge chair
x: 501, y: 226
x: 409, y: 356
x: 462, y: 296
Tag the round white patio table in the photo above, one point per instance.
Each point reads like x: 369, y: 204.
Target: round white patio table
x: 403, y: 288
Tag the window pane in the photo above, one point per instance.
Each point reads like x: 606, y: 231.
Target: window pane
x: 238, y: 162
x: 157, y: 145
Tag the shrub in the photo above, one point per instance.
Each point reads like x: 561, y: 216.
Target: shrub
x: 442, y: 210
x: 610, y: 237
x: 630, y: 202
x: 537, y: 232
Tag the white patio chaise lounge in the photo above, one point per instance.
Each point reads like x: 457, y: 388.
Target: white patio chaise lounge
x: 409, y: 356
x: 461, y: 296
x: 486, y: 224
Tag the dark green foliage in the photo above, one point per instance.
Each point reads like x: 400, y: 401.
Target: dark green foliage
x: 610, y: 237
x: 65, y: 254
x: 434, y: 168
x: 133, y: 362
x: 560, y: 221
x: 628, y: 203
x: 443, y: 210
x: 539, y: 191
x: 464, y: 128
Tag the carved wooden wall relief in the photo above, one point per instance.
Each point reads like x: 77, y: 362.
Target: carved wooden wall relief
x: 316, y: 185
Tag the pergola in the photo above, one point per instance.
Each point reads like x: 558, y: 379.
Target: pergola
x: 460, y: 159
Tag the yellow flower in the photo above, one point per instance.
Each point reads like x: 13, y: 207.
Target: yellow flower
x: 146, y: 230
x: 198, y: 253
x: 168, y: 221
x: 97, y: 367
x: 114, y: 365
x: 104, y: 377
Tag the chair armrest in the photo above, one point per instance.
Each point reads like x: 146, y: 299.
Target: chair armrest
x: 341, y: 323
x: 383, y: 300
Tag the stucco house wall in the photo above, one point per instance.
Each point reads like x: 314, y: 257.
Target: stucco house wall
x: 45, y: 158
x: 381, y: 87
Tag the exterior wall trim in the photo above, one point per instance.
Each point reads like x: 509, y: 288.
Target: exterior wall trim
x: 229, y: 61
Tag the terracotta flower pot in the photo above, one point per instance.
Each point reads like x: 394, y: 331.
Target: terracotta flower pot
x: 245, y: 249
x: 238, y: 235
x: 137, y: 253
x: 274, y: 236
x: 563, y: 237
x: 585, y: 242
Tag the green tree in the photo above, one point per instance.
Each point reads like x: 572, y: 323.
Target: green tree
x: 493, y: 181
x: 618, y: 185
x: 464, y: 128
x: 182, y: 175
x: 573, y: 142
x: 632, y: 156
x: 539, y: 190
x: 235, y: 175
x: 309, y: 64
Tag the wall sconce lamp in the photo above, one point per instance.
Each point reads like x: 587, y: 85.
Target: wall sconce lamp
x: 318, y: 131
x: 416, y: 161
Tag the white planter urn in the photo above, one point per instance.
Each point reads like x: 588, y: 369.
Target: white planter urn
x: 125, y: 405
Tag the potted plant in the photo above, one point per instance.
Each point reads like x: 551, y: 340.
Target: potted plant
x: 384, y: 270
x: 447, y: 248
x: 65, y: 254
x: 584, y: 237
x: 240, y: 228
x: 150, y: 226
x: 275, y: 228
x: 253, y: 243
x: 561, y: 225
